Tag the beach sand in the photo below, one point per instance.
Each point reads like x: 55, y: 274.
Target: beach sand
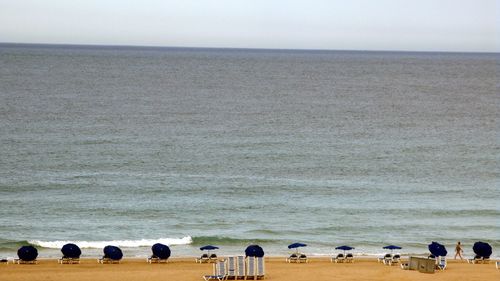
x: 318, y: 269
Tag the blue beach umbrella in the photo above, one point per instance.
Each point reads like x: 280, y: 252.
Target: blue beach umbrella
x: 296, y: 246
x: 392, y: 247
x: 27, y: 253
x: 113, y: 252
x: 161, y: 251
x: 482, y: 249
x: 209, y: 248
x: 71, y: 251
x: 437, y: 249
x: 254, y: 251
x: 344, y: 248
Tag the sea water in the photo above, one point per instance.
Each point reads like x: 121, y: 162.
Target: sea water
x: 132, y: 146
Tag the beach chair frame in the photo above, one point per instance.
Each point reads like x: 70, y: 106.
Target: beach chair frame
x: 65, y: 260
x: 240, y: 267
x: 260, y: 268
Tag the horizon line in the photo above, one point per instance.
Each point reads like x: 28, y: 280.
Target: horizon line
x: 133, y: 46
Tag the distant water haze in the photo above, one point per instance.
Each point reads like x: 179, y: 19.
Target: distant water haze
x: 232, y: 147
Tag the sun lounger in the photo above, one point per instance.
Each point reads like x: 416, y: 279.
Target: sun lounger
x: 303, y: 258
x: 395, y: 259
x: 250, y: 269
x: 220, y: 272
x: 66, y: 260
x: 486, y: 260
x: 240, y: 267
x: 385, y: 258
x: 203, y: 259
x: 292, y: 258
x: 105, y: 260
x: 155, y: 259
x: 260, y: 268
x: 339, y: 258
x: 213, y: 258
x: 497, y: 264
x: 476, y: 259
x: 20, y: 261
x: 442, y: 263
x: 231, y: 268
x: 4, y: 261
x: 349, y: 258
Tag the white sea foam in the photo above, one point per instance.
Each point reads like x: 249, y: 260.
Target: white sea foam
x: 120, y: 243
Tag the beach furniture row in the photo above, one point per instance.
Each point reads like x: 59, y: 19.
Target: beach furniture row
x: 238, y: 267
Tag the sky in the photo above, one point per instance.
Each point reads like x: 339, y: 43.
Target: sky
x: 406, y: 25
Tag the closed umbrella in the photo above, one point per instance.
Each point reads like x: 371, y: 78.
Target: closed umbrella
x: 254, y: 251
x: 27, y: 253
x: 482, y: 249
x: 437, y: 249
x: 71, y: 251
x: 161, y: 251
x: 113, y: 252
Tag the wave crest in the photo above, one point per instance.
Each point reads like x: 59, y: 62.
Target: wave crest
x: 120, y: 243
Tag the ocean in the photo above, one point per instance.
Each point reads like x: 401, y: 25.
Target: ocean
x: 131, y: 146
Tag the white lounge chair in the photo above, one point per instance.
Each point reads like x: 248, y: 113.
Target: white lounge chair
x: 260, y: 268
x: 203, y: 259
x: 442, y: 263
x: 292, y: 258
x: 20, y: 261
x: 220, y: 272
x: 339, y: 258
x: 240, y: 267
x: 66, y: 260
x: 384, y: 258
x: 497, y: 264
x: 105, y: 260
x: 250, y: 269
x: 303, y: 258
x: 475, y: 259
x: 231, y: 267
x: 349, y: 258
x: 395, y: 259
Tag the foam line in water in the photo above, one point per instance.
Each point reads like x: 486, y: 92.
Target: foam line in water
x: 120, y: 243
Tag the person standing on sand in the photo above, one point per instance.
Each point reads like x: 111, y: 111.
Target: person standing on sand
x: 458, y: 251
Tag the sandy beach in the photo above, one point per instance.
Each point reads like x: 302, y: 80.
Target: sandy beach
x: 318, y: 269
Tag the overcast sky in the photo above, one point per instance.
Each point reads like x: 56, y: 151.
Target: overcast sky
x: 415, y: 25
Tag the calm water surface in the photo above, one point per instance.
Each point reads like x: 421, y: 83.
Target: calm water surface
x: 130, y: 146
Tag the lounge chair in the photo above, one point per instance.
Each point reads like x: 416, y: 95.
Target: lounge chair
x: 303, y: 258
x: 213, y: 258
x: 476, y: 259
x: 240, y: 267
x: 497, y: 264
x: 339, y: 258
x: 395, y: 259
x: 385, y: 258
x: 349, y: 258
x: 231, y: 267
x: 68, y: 260
x: 442, y: 263
x: 155, y: 259
x: 220, y: 272
x: 250, y: 268
x: 261, y: 272
x: 203, y: 259
x: 486, y: 260
x: 292, y: 258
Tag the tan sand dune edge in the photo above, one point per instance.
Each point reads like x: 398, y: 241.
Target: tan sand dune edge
x: 318, y: 269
